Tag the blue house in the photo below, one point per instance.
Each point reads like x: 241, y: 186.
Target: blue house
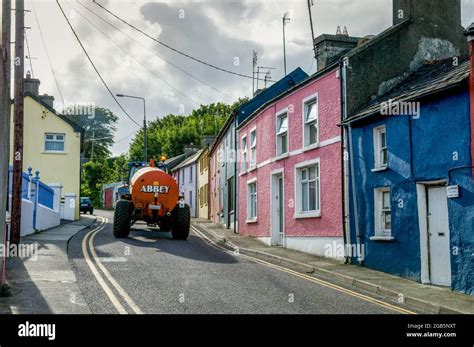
x: 411, y: 188
x: 222, y: 181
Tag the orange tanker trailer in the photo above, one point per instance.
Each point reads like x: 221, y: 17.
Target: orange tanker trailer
x: 152, y: 195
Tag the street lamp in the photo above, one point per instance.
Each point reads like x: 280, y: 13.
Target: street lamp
x: 144, y: 121
x: 286, y: 18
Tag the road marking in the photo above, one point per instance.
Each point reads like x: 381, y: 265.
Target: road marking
x: 107, y: 274
x: 305, y: 277
x: 118, y: 306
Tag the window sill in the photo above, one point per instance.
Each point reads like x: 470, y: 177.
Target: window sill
x: 380, y: 169
x: 307, y: 215
x: 243, y: 173
x: 382, y: 238
x: 54, y: 152
x: 251, y: 221
x: 311, y: 147
x: 251, y: 169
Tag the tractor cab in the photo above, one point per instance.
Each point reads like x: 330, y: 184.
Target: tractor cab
x: 133, y: 168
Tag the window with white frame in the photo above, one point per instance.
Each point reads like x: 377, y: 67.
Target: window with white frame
x: 190, y: 198
x: 380, y: 147
x: 383, y: 212
x: 311, y: 127
x: 253, y: 148
x: 308, y: 195
x: 54, y: 142
x: 252, y: 201
x: 282, y: 134
x: 244, y: 154
x: 190, y: 174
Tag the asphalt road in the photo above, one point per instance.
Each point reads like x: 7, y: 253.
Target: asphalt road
x: 150, y: 273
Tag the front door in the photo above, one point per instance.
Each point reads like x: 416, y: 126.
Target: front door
x: 230, y: 202
x: 277, y: 222
x: 438, y: 237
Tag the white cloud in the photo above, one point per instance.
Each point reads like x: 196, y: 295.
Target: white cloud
x: 215, y: 31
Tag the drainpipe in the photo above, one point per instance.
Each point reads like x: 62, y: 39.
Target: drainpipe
x: 470, y: 38
x: 344, y: 169
x: 356, y: 207
x: 235, y: 174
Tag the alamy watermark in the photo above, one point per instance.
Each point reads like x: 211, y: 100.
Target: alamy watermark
x: 339, y: 250
x: 400, y: 108
x: 22, y: 250
x: 86, y: 109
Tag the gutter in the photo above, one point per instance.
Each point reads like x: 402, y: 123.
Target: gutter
x: 345, y: 215
x: 470, y: 37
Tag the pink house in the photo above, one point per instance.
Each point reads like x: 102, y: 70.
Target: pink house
x: 290, y: 168
x: 215, y: 205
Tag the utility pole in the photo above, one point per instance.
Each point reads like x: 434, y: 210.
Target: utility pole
x: 285, y: 18
x: 255, y: 59
x: 310, y: 3
x: 5, y: 111
x: 18, y: 121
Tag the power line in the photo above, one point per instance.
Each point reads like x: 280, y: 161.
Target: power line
x: 93, y: 65
x: 47, y: 52
x: 155, y: 54
x: 172, y: 48
x: 132, y: 57
x: 29, y: 55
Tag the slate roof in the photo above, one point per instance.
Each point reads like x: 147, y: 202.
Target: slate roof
x: 246, y: 109
x: 431, y: 78
x: 189, y: 160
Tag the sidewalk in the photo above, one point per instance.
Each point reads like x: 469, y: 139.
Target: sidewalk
x: 47, y: 284
x: 429, y: 299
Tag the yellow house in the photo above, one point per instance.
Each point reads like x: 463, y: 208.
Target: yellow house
x: 203, y: 184
x: 52, y: 144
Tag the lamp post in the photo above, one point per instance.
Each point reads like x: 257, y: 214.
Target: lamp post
x: 144, y: 122
x: 286, y: 18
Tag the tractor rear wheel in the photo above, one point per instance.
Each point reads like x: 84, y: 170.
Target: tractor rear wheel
x: 122, y: 218
x: 181, y: 222
x: 165, y: 224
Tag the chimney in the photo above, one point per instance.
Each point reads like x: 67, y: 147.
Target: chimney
x: 330, y: 47
x: 47, y: 99
x: 470, y: 38
x: 432, y: 12
x: 208, y: 140
x: 31, y: 85
x: 189, y: 150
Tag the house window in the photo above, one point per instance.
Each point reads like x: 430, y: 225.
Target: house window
x: 311, y: 127
x: 244, y: 154
x: 308, y: 195
x: 182, y: 175
x: 380, y: 147
x: 252, y: 201
x: 190, y: 174
x: 54, y: 142
x: 190, y: 198
x: 253, y: 148
x: 383, y: 212
x: 206, y: 192
x: 282, y: 134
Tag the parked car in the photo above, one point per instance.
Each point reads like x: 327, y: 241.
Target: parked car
x: 86, y: 205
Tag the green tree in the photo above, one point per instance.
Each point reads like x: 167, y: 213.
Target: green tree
x: 94, y: 175
x: 100, y: 127
x: 170, y: 134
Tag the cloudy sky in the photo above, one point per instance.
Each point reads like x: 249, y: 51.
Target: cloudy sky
x: 223, y: 33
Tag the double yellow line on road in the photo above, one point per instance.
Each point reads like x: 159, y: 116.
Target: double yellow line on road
x: 104, y: 275
x: 304, y: 276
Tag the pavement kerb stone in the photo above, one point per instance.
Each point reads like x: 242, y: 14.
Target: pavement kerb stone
x: 85, y: 227
x: 348, y: 280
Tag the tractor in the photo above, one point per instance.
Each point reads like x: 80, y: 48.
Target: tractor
x: 151, y: 195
